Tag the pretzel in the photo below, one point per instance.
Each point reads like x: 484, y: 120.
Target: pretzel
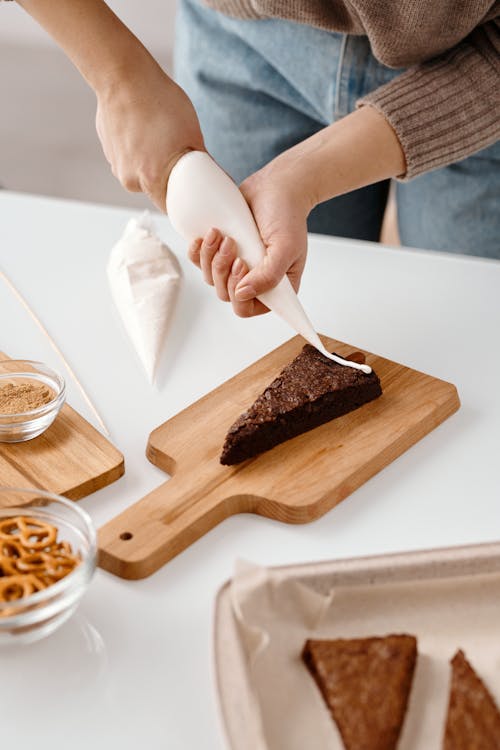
x: 36, y: 583
x: 7, y: 567
x: 31, y: 558
x: 63, y: 548
x: 33, y: 562
x: 29, y: 532
x: 10, y: 548
x: 14, y: 587
x: 59, y: 567
x: 10, y: 553
x: 9, y: 529
x: 36, y: 534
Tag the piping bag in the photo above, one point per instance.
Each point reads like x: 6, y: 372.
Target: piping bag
x: 200, y: 195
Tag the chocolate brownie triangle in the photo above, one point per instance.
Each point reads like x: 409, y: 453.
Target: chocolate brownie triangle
x: 365, y: 683
x: 473, y: 721
x: 310, y: 391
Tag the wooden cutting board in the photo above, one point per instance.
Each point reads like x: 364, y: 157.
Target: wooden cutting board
x: 295, y: 482
x: 71, y: 458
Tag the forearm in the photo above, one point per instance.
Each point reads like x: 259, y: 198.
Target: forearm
x: 93, y: 37
x: 358, y: 150
x: 447, y: 108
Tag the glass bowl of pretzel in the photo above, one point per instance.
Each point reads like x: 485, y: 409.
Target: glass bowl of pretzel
x: 48, y: 556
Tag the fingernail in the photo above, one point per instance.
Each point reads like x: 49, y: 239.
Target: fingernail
x: 211, y: 237
x: 237, y: 267
x: 225, y: 248
x: 244, y: 293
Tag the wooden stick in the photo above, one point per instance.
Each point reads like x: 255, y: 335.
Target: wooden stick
x: 53, y: 344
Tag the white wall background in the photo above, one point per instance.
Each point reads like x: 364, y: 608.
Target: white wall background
x: 150, y: 20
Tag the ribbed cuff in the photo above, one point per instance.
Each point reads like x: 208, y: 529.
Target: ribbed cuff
x: 444, y: 110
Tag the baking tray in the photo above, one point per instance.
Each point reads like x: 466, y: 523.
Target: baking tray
x: 449, y: 598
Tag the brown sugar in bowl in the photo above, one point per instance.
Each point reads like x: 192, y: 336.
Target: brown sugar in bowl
x: 31, y: 396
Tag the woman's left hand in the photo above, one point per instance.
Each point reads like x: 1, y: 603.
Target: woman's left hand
x: 280, y: 209
x: 355, y: 151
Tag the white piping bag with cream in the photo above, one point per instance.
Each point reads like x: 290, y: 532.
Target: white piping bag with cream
x: 200, y: 195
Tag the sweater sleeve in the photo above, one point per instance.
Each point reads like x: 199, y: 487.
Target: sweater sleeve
x: 447, y: 108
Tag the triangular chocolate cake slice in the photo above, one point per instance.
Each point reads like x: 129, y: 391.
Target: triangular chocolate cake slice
x: 473, y: 721
x: 310, y: 391
x: 365, y: 683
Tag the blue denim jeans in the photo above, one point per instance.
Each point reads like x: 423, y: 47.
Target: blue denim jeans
x: 261, y: 86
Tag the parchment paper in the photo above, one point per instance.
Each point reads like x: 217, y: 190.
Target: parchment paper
x: 275, y: 613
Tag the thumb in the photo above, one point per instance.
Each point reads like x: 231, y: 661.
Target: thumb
x: 266, y: 275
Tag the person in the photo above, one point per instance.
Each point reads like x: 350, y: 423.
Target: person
x: 313, y: 107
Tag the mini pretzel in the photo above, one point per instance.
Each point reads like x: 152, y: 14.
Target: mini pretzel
x: 36, y: 583
x: 10, y: 553
x: 31, y: 559
x: 11, y: 549
x: 63, y: 548
x: 14, y: 587
x: 9, y: 528
x: 59, y: 567
x: 33, y: 562
x: 29, y: 532
x: 7, y: 567
x: 36, y: 534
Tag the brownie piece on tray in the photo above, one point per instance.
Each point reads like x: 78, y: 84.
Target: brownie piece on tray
x: 310, y: 391
x: 365, y: 682
x: 473, y: 720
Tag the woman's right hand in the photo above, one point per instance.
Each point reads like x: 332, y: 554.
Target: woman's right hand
x: 145, y: 123
x: 144, y: 120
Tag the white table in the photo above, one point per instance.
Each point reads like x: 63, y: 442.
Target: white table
x: 133, y: 667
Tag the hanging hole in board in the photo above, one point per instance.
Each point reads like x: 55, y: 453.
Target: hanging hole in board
x: 126, y: 536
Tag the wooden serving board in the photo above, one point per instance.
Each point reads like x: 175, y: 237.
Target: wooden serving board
x: 70, y: 458
x: 295, y: 482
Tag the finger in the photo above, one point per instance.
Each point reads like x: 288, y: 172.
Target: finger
x: 209, y: 247
x: 221, y: 267
x: 194, y: 252
x: 242, y: 309
x: 266, y: 275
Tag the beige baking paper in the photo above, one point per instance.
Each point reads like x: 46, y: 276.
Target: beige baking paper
x: 276, y: 612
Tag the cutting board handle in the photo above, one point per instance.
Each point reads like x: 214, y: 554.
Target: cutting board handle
x: 166, y: 521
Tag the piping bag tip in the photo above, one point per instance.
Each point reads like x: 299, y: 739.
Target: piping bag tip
x: 200, y: 195
x: 356, y: 365
x: 284, y: 301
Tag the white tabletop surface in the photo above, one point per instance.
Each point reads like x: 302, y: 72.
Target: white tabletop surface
x: 133, y: 668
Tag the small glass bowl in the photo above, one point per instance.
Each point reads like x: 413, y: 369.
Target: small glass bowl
x: 35, y: 616
x: 16, y: 428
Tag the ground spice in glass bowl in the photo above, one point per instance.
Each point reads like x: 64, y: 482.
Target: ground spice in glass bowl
x: 16, y: 398
x: 31, y: 396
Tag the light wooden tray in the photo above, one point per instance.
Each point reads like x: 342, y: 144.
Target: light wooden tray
x: 71, y: 458
x: 296, y: 482
x: 448, y: 598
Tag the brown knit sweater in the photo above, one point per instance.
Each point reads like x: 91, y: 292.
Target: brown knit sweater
x: 446, y: 105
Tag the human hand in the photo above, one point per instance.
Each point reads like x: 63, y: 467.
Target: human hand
x: 280, y: 208
x: 358, y: 150
x: 145, y: 123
